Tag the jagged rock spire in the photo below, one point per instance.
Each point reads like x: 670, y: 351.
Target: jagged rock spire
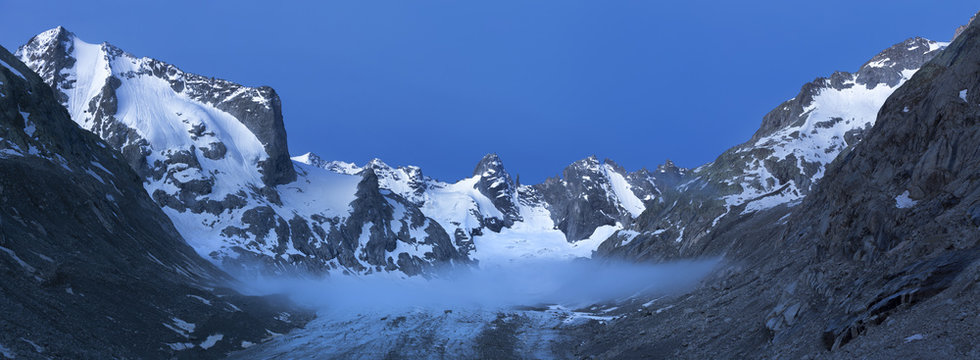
x: 496, y: 184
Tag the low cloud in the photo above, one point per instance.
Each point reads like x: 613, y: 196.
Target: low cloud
x: 568, y: 283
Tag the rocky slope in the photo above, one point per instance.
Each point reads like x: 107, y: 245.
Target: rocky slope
x: 879, y: 261
x: 92, y: 268
x: 591, y: 194
x: 779, y: 165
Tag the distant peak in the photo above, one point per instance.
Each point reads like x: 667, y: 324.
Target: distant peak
x: 490, y: 163
x: 591, y: 162
x: 308, y: 158
x: 376, y: 163
x: 59, y: 30
x: 491, y: 157
x: 59, y: 33
x: 668, y: 166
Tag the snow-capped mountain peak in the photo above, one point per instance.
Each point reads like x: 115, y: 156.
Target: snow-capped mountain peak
x: 213, y: 154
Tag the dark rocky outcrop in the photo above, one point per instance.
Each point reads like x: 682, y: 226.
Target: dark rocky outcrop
x: 495, y: 183
x: 371, y: 237
x: 583, y: 198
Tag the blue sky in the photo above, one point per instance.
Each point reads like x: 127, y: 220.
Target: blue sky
x: 439, y: 84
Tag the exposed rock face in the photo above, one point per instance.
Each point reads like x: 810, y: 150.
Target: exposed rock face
x: 213, y: 154
x: 590, y: 194
x: 901, y: 202
x: 879, y: 261
x: 67, y: 63
x: 387, y: 225
x: 780, y: 164
x: 92, y: 268
x: 495, y: 183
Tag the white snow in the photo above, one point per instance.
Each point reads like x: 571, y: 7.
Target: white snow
x: 211, y: 340
x: 180, y: 346
x: 181, y: 327
x: 89, y: 73
x: 624, y: 191
x: 627, y: 236
x: 914, y: 338
x: 458, y: 205
x: 29, y: 127
x: 94, y: 175
x: 535, y: 239
x: 198, y: 298
x: 818, y: 141
x: 880, y: 63
x: 963, y: 94
x: 903, y: 201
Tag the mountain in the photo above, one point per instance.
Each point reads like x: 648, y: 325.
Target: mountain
x: 92, y: 268
x: 213, y: 155
x: 591, y: 194
x: 879, y: 260
x: 495, y: 183
x: 496, y: 220
x: 779, y: 165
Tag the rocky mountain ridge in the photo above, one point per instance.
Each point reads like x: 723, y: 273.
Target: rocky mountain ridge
x: 878, y: 261
x: 92, y: 267
x: 780, y: 164
x: 258, y: 215
x: 213, y: 155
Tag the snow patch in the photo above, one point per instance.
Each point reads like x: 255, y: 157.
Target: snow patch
x: 198, y: 298
x: 181, y: 327
x: 903, y: 201
x: 180, y: 346
x: 211, y: 340
x: 624, y: 191
x: 914, y: 338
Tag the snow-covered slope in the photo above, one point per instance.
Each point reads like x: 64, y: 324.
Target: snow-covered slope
x: 213, y: 154
x: 92, y: 268
x: 501, y: 221
x: 783, y: 160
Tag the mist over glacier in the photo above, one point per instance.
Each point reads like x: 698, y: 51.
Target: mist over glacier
x: 571, y: 284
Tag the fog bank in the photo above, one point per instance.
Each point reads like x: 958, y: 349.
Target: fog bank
x: 568, y: 283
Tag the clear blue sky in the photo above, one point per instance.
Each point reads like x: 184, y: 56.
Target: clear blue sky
x: 543, y: 83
